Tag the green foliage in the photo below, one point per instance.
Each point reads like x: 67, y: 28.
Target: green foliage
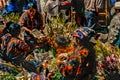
x: 57, y: 76
x: 14, y: 72
x: 58, y: 26
x: 53, y: 51
x: 106, y: 49
x: 40, y: 50
x: 12, y: 17
x: 7, y: 77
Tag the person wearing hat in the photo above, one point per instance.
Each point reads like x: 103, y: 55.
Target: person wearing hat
x: 85, y: 49
x: 13, y: 49
x: 111, y: 7
x: 52, y: 9
x: 60, y: 44
x: 114, y: 27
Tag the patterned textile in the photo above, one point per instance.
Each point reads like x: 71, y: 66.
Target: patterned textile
x: 14, y: 45
x: 114, y: 30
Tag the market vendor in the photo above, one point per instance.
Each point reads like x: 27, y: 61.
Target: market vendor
x: 13, y: 49
x: 86, y: 52
x: 30, y: 20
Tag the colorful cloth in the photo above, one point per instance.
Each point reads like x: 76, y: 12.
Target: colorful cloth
x: 13, y: 48
x: 15, y: 45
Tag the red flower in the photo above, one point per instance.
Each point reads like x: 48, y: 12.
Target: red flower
x: 78, y: 71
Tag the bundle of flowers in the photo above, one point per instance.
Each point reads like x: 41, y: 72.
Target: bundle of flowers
x: 108, y: 61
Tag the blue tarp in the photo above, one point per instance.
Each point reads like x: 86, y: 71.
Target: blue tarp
x: 112, y: 2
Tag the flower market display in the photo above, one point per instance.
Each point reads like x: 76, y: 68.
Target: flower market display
x: 63, y: 52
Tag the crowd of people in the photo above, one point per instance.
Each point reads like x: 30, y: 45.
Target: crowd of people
x: 80, y: 63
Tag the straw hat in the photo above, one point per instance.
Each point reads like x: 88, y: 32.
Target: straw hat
x: 117, y: 5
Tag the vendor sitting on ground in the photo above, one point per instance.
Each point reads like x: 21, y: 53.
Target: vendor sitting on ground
x: 85, y: 65
x: 29, y: 21
x: 13, y: 49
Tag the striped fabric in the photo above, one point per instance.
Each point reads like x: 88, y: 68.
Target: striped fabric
x: 12, y: 44
x: 92, y: 5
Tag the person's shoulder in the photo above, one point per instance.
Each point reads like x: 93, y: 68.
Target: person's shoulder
x: 115, y: 21
x: 116, y: 16
x: 25, y: 12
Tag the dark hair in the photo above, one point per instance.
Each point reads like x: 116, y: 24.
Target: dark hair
x: 32, y: 5
x: 12, y: 28
x: 61, y: 41
x: 5, y: 30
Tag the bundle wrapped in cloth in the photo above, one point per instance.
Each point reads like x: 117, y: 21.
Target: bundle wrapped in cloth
x: 83, y: 32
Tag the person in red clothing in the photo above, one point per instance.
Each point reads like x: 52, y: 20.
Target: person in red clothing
x: 13, y: 49
x: 30, y: 20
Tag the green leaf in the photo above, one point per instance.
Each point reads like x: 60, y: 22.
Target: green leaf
x: 53, y: 51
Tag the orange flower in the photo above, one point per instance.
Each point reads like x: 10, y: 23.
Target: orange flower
x: 70, y: 49
x: 47, y: 39
x: 61, y: 51
x: 84, y: 52
x: 75, y: 56
x: 67, y: 68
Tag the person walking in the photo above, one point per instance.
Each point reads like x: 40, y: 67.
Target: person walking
x: 91, y: 11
